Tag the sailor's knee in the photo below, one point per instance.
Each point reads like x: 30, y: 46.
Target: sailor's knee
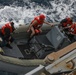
x: 37, y: 31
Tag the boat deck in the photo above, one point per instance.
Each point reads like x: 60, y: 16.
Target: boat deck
x: 44, y: 44
x: 19, y: 49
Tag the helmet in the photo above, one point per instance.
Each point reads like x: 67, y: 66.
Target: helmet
x: 12, y: 23
x: 42, y: 16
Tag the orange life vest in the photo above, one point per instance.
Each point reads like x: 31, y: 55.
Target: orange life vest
x: 37, y: 31
x: 39, y: 22
x: 73, y: 28
x: 8, y: 25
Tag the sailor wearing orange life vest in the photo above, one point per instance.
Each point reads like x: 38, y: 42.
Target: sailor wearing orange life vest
x: 9, y: 26
x: 36, y: 25
x: 5, y: 33
x: 66, y: 22
x: 72, y: 31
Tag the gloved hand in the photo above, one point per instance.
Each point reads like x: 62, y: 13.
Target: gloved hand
x: 1, y: 39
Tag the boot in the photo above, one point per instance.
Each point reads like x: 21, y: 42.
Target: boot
x: 30, y: 39
x: 8, y: 45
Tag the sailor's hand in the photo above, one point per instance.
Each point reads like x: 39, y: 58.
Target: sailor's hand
x: 28, y: 30
x: 9, y: 37
x: 9, y: 42
x: 72, y: 33
x: 52, y: 25
x: 1, y: 39
x: 68, y: 32
x: 63, y: 28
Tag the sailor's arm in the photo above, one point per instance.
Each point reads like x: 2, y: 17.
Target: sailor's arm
x: 66, y: 27
x: 31, y: 26
x: 63, y: 21
x: 48, y: 23
x: 72, y: 34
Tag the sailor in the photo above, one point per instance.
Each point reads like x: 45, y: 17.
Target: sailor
x: 71, y: 31
x: 5, y: 34
x: 65, y: 23
x: 36, y: 24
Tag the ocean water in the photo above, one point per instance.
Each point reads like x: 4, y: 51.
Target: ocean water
x: 55, y: 10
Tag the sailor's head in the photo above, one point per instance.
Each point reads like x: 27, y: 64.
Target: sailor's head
x: 42, y: 16
x: 12, y: 25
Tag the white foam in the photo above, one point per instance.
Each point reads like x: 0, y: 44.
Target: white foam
x: 57, y: 12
